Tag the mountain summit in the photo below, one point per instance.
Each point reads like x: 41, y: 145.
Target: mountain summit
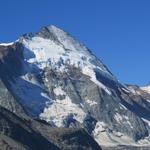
x: 50, y: 77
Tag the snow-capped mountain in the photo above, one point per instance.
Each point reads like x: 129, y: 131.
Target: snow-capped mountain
x: 52, y: 77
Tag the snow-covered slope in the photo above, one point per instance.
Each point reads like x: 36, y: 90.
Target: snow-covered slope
x: 6, y: 44
x: 49, y: 53
x: 57, y: 79
x: 146, y: 89
x: 58, y: 54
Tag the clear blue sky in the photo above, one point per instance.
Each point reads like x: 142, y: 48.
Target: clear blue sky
x: 117, y: 31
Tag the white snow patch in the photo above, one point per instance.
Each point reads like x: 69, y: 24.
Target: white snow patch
x: 148, y: 100
x: 30, y: 78
x: 144, y: 142
x: 118, y: 118
x: 100, y: 134
x: 128, y: 122
x: 43, y: 49
x: 90, y: 102
x: 6, y: 44
x: 119, y: 138
x: 146, y: 89
x: 122, y: 119
x: 126, y: 90
x: 106, y: 138
x: 59, y: 91
x: 122, y: 106
x: 61, y: 109
x: 146, y: 121
x: 132, y: 90
x: 45, y: 95
x: 100, y: 127
x: 89, y: 72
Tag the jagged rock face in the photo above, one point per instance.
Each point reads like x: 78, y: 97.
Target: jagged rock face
x: 52, y: 77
